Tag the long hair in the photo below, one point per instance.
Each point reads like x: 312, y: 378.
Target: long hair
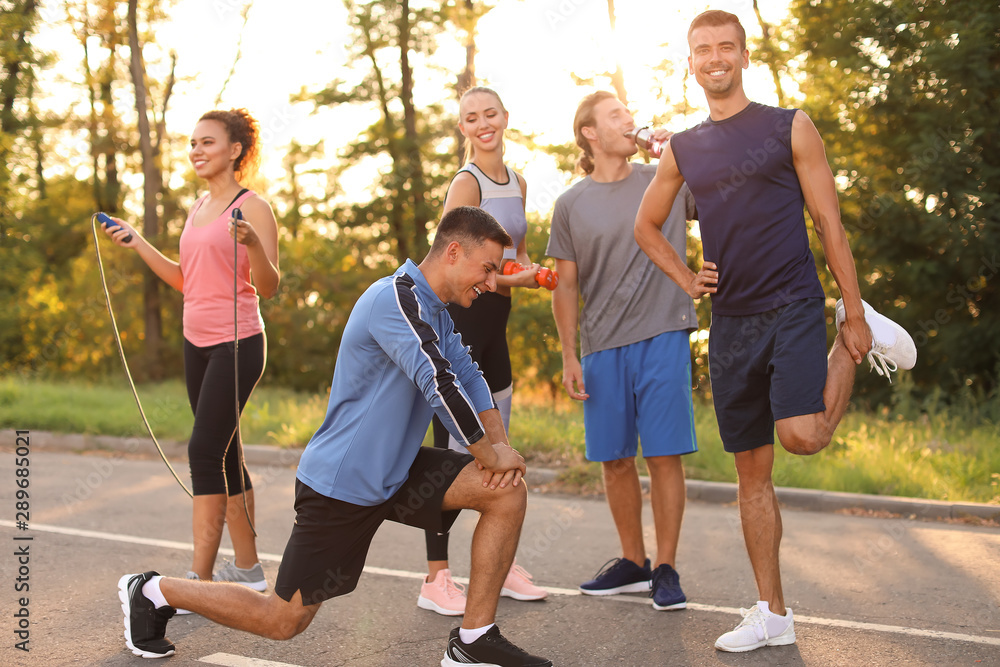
x: 585, y: 118
x: 244, y: 129
x: 472, y: 91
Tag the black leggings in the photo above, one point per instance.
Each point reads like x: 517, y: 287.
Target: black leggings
x: 214, y: 461
x: 483, y: 326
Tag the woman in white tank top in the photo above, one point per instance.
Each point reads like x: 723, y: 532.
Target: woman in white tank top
x: 485, y: 181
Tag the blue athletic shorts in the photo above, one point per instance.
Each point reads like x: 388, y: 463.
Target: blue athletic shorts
x: 640, y: 391
x: 764, y: 367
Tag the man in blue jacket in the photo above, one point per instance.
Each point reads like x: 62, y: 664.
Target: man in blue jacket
x: 400, y: 361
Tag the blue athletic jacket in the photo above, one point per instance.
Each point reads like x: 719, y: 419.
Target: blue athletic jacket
x: 400, y: 360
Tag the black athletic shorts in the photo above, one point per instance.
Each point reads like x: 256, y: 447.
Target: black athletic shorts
x: 326, y: 551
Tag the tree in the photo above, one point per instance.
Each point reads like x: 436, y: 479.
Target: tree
x: 618, y: 76
x: 465, y: 15
x: 415, y: 142
x: 17, y: 22
x: 152, y: 186
x: 907, y: 96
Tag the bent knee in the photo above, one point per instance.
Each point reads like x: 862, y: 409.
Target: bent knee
x: 803, y: 444
x: 509, y: 498
x: 289, y: 620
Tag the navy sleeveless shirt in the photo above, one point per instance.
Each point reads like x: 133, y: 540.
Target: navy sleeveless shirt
x: 750, y: 209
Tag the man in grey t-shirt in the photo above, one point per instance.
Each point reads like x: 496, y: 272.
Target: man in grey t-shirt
x: 636, y: 360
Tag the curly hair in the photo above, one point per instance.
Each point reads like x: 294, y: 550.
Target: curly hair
x: 244, y: 129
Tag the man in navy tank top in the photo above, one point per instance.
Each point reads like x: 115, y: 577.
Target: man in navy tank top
x: 752, y: 168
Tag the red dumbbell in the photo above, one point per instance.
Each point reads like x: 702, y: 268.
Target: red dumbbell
x: 547, y: 278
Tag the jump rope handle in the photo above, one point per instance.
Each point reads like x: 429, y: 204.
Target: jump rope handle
x: 112, y: 225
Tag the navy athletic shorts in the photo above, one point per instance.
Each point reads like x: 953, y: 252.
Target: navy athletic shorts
x: 765, y: 367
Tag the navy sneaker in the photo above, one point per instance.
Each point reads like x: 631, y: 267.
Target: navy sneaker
x: 667, y: 594
x: 490, y: 650
x: 619, y: 575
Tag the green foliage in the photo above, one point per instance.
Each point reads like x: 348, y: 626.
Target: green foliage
x: 532, y: 338
x: 906, y: 96
x: 321, y: 279
x: 418, y: 143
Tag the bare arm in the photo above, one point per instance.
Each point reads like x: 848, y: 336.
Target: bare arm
x: 500, y: 463
x: 820, y: 192
x: 653, y: 211
x: 166, y: 269
x: 566, y: 311
x: 258, y: 231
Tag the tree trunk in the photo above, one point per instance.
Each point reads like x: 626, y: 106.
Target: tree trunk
x: 772, y: 54
x: 12, y: 70
x: 467, y: 79
x: 88, y: 77
x: 397, y: 211
x: 618, y: 77
x: 152, y: 181
x: 413, y: 162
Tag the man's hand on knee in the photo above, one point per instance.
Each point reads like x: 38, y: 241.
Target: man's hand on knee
x: 500, y: 463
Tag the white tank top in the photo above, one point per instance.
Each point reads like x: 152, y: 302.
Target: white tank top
x: 504, y: 202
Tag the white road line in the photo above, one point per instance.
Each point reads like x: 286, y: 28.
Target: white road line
x: 834, y: 622
x: 230, y: 660
x: 276, y: 558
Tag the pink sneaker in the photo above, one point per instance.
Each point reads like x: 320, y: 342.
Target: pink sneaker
x: 518, y: 585
x: 443, y: 595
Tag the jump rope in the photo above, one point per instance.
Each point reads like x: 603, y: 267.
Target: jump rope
x: 95, y: 220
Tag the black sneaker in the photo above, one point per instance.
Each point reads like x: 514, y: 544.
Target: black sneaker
x: 667, y: 594
x: 619, y: 575
x: 145, y: 625
x: 491, y: 649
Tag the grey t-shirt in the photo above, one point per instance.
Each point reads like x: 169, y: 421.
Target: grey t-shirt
x: 626, y: 298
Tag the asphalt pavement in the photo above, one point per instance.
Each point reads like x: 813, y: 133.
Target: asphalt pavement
x: 865, y: 591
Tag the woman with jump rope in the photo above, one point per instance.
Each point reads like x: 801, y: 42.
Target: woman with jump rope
x: 224, y: 151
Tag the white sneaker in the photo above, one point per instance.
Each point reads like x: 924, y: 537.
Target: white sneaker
x: 892, y: 347
x: 752, y: 632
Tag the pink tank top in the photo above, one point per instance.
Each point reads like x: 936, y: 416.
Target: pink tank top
x: 206, y: 257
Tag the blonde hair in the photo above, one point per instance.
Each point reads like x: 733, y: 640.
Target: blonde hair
x: 473, y: 91
x: 585, y: 118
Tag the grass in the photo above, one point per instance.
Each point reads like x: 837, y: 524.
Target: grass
x: 936, y: 455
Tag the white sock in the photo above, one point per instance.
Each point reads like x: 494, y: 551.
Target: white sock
x: 469, y: 636
x: 151, y: 589
x: 775, y: 624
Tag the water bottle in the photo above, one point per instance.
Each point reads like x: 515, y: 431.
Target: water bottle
x: 643, y: 138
